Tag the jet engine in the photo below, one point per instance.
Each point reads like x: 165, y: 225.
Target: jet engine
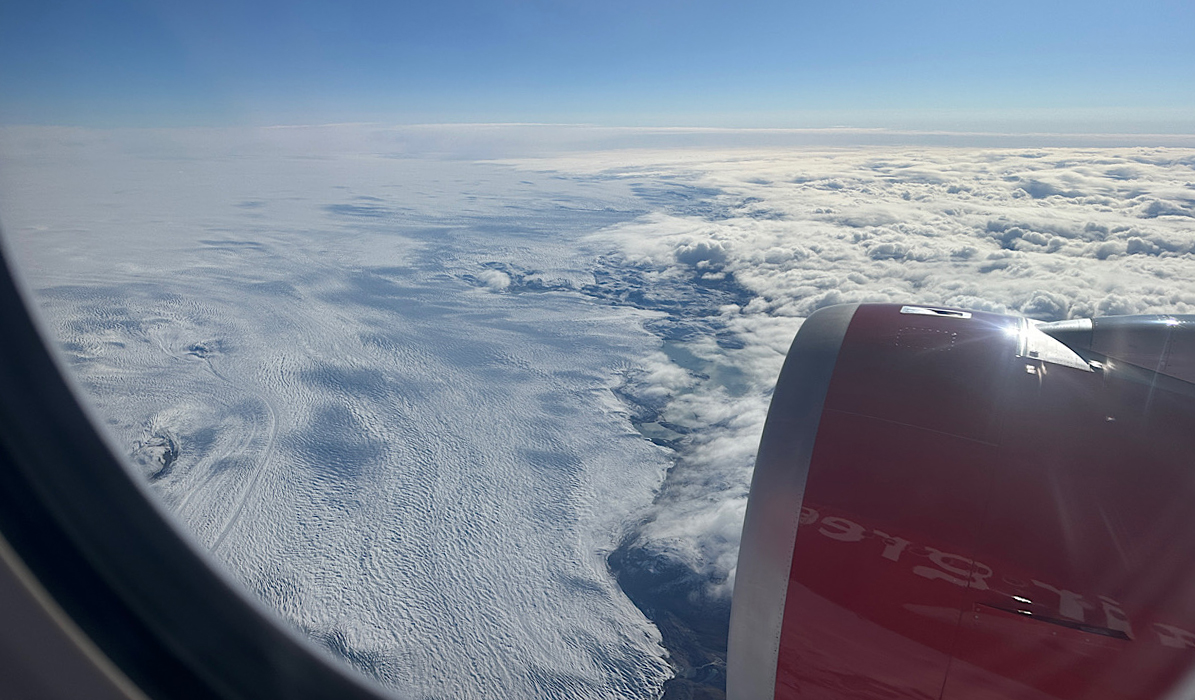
x: 956, y: 504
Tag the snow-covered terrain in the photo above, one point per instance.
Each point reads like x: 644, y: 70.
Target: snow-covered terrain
x: 434, y: 394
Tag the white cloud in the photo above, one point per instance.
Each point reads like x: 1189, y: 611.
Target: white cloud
x: 1049, y: 233
x: 495, y: 279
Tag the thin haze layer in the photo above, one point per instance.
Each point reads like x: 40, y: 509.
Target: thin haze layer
x: 419, y: 403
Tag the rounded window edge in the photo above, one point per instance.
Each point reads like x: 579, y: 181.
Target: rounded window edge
x: 114, y: 562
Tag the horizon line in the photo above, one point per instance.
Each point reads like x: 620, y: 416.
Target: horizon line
x: 838, y: 129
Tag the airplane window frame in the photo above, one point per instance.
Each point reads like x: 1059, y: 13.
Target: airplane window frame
x: 114, y: 561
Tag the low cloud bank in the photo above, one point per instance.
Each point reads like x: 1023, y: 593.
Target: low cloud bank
x: 1045, y: 233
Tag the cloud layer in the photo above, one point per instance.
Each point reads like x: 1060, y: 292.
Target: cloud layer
x: 1046, y: 233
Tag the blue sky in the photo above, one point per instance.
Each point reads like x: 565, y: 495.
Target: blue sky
x: 915, y: 64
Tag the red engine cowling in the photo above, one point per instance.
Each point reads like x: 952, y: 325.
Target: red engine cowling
x: 952, y: 504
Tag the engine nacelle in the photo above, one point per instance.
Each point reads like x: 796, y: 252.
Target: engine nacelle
x: 951, y: 504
